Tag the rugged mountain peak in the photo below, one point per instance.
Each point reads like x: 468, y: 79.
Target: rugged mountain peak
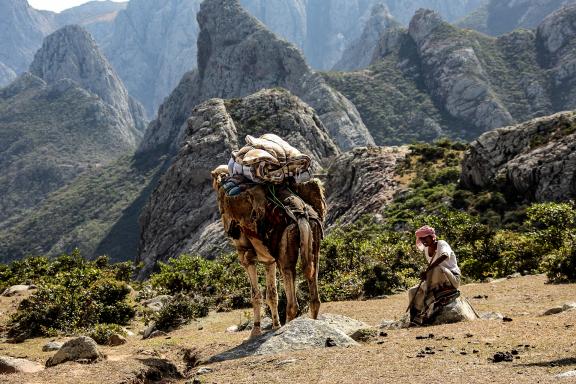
x: 423, y: 23
x: 71, y: 53
x: 172, y: 222
x: 360, y: 51
x: 238, y: 56
x: 558, y: 29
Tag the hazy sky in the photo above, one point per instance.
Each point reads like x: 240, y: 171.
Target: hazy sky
x: 58, y: 5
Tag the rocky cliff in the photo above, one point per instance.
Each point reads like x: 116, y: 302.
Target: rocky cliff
x: 461, y: 83
x: 532, y: 161
x: 97, y: 17
x: 173, y: 222
x: 22, y: 29
x: 498, y: 17
x: 237, y: 56
x: 359, y: 52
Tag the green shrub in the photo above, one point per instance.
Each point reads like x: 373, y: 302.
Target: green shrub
x: 560, y: 265
x: 181, y: 310
x: 101, y: 333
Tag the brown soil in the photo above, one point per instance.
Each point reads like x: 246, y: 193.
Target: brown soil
x: 545, y: 346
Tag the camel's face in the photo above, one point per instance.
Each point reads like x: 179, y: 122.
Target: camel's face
x: 217, y: 175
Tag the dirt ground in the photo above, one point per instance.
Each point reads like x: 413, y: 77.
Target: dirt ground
x: 543, y: 346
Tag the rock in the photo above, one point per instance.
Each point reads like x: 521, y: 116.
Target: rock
x: 502, y: 356
x: 566, y: 374
x: 148, y: 330
x: 14, y: 365
x: 214, y: 129
x: 456, y: 311
x: 569, y: 306
x: 157, y: 333
x: 51, y: 346
x: 553, y: 311
x: 116, y: 340
x: 343, y: 323
x: 265, y: 323
x: 534, y: 160
x: 232, y: 329
x: 82, y: 348
x: 491, y: 316
x: 156, y: 303
x: 362, y: 181
x: 514, y: 275
x: 204, y: 370
x: 17, y: 290
x: 364, y: 335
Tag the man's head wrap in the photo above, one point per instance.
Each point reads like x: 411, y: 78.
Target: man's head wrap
x: 423, y: 232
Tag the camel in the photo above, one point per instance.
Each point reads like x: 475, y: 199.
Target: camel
x: 262, y: 231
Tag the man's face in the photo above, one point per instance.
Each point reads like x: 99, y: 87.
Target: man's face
x: 427, y: 240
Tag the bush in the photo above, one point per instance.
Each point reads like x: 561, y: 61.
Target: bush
x: 101, y: 333
x: 181, y: 310
x: 560, y: 265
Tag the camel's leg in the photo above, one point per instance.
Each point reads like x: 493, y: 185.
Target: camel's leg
x: 272, y: 294
x: 310, y: 263
x: 248, y: 260
x: 287, y: 260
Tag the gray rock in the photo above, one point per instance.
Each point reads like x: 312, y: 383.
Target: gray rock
x: 566, y: 374
x: 534, y: 160
x: 204, y: 370
x: 456, y: 311
x: 553, y: 311
x: 13, y: 365
x: 157, y: 303
x: 491, y: 316
x: 362, y: 181
x: 343, y: 323
x: 514, y: 275
x: 171, y: 222
x: 157, y: 333
x: 569, y: 306
x: 116, y: 340
x: 301, y: 333
x: 17, y: 290
x: 82, y: 348
x: 51, y: 346
x: 148, y: 331
x: 364, y: 334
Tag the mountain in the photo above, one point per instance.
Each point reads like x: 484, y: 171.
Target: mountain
x: 97, y: 17
x: 238, y: 56
x: 172, y: 223
x: 358, y: 54
x: 22, y: 29
x: 70, y: 113
x: 434, y: 79
x: 498, y: 17
x: 532, y: 161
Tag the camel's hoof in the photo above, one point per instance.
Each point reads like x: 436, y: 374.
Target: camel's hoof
x: 275, y: 327
x: 255, y: 333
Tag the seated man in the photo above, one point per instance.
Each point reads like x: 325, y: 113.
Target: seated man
x: 439, y: 282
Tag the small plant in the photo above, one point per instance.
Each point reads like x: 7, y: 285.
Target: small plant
x: 101, y: 333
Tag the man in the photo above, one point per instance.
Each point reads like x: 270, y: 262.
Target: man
x: 439, y: 282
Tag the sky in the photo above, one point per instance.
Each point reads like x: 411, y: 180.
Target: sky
x: 58, y: 5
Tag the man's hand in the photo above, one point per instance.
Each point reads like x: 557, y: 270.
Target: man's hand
x: 423, y: 275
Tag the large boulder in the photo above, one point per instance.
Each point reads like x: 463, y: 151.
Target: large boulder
x: 83, y: 349
x: 454, y: 312
x: 14, y: 365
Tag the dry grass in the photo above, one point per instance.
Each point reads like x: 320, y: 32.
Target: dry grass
x: 546, y: 346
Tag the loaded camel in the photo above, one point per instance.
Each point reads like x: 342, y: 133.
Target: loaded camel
x: 273, y: 224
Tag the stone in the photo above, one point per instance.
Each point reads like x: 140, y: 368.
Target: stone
x: 491, y: 316
x: 51, y: 346
x: 148, y: 330
x: 343, y: 323
x: 514, y: 275
x: 157, y: 333
x: 157, y: 303
x: 553, y: 311
x: 204, y: 370
x: 232, y: 329
x: 17, y: 290
x: 116, y: 340
x: 566, y: 374
x: 456, y: 311
x: 14, y: 365
x: 364, y: 335
x: 82, y: 348
x: 569, y: 306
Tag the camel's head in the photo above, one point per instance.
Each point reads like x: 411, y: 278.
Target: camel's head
x: 217, y: 175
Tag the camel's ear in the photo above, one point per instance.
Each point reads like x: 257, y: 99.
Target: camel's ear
x: 217, y: 174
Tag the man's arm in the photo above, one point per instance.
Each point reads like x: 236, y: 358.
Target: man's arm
x: 433, y: 265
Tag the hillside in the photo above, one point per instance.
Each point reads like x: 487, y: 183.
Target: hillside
x: 454, y: 352
x: 436, y: 80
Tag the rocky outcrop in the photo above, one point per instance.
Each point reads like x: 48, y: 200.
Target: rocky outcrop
x: 454, y: 74
x: 361, y: 182
x: 533, y: 161
x: 498, y: 17
x: 14, y: 365
x: 238, y: 56
x: 172, y: 222
x: 97, y: 17
x: 359, y: 52
x: 71, y: 53
x: 83, y: 349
